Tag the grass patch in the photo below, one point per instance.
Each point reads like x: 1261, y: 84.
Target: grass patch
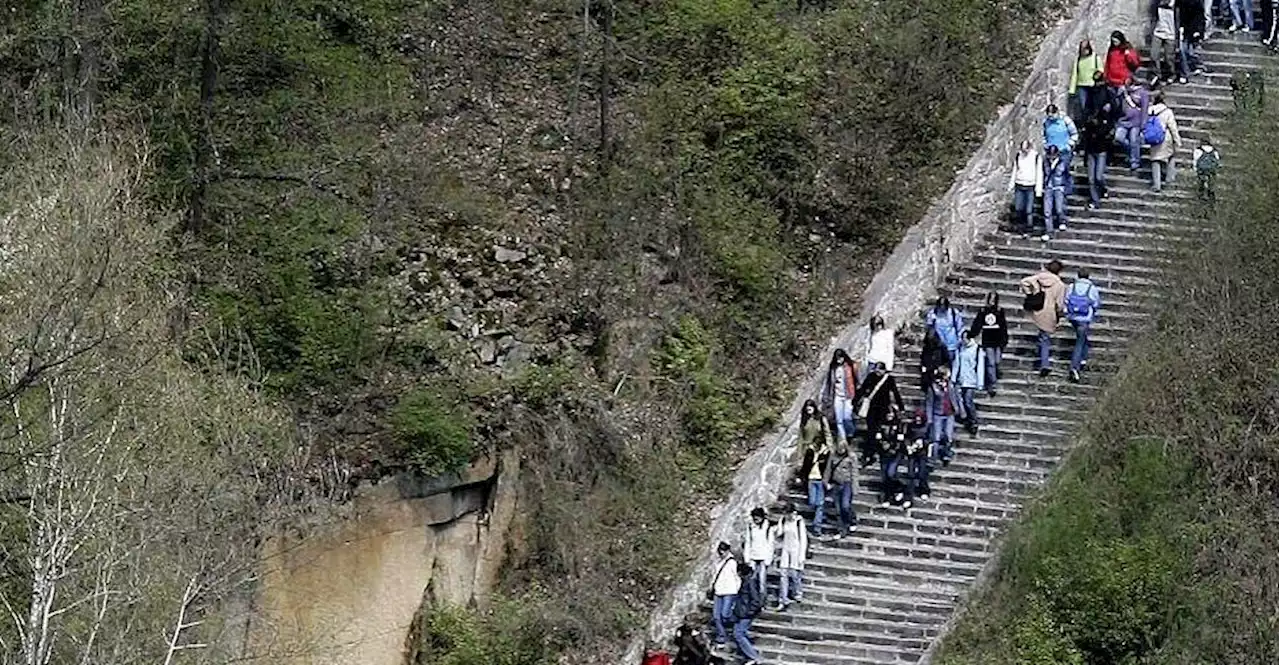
x: 1157, y: 543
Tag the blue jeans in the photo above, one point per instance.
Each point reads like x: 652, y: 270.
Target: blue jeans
x: 966, y: 396
x: 1055, y: 205
x: 1097, y: 166
x: 1081, y: 352
x: 1131, y: 139
x: 721, y: 613
x: 1024, y: 201
x: 1161, y: 172
x: 843, y: 408
x: 888, y: 476
x: 1082, y: 101
x: 817, y: 501
x: 791, y: 581
x: 762, y: 573
x: 1247, y: 5
x: 991, y: 365
x: 1043, y: 342
x: 744, y: 642
x: 844, y: 500
x: 920, y: 476
x: 1188, y: 59
x: 942, y: 431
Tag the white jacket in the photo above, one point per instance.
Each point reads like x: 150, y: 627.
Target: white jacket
x: 758, y: 545
x: 1028, y: 171
x: 795, y: 542
x: 726, y: 582
x: 880, y: 348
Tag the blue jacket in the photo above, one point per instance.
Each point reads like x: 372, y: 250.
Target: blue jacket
x: 948, y: 324
x: 1056, y: 174
x: 966, y: 370
x: 933, y: 401
x: 1087, y: 289
x: 1060, y: 131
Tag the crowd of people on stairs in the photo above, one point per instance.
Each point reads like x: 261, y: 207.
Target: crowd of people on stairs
x: 859, y: 400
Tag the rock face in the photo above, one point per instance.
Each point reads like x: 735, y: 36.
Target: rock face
x: 346, y: 593
x: 886, y: 594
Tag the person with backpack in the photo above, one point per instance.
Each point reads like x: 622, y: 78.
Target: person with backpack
x: 1206, y: 160
x: 1134, y: 102
x: 690, y: 648
x: 992, y: 331
x: 838, y: 388
x: 890, y: 443
x: 933, y: 354
x: 1080, y: 87
x: 1096, y: 137
x: 877, y: 398
x: 1163, y: 152
x: 817, y: 447
x: 724, y: 588
x: 917, y: 448
x: 1121, y: 62
x: 1027, y: 184
x: 947, y: 322
x: 1057, y: 179
x: 841, y: 472
x: 746, y: 607
x: 943, y: 406
x: 1043, y: 293
x: 795, y: 548
x: 758, y: 546
x: 1060, y: 132
x: 967, y: 370
x: 1082, y: 303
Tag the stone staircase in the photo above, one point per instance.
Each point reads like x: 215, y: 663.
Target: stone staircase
x: 883, y: 594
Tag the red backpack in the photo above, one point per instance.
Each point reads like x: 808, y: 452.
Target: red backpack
x: 658, y: 657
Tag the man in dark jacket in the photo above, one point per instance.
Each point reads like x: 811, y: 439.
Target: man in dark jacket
x: 1097, y: 135
x: 875, y: 398
x: 745, y: 609
x: 992, y: 332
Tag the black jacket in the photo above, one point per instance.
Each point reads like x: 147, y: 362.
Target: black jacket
x: 1096, y: 135
x: 748, y: 603
x: 1191, y: 17
x: 881, y: 400
x: 931, y: 358
x: 990, y: 328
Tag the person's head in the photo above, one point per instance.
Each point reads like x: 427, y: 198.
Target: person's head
x: 723, y: 550
x: 1054, y: 266
x: 943, y: 303
x: 877, y: 322
x: 918, y: 418
x: 993, y: 299
x: 842, y: 447
x: 685, y: 632
x: 789, y: 509
x: 1158, y: 98
x: 1117, y: 39
x: 652, y: 647
x: 757, y: 515
x: 966, y: 338
x: 1052, y: 151
x: 943, y: 373
x: 1051, y: 111
x: 877, y: 368
x: 810, y: 408
x: 1131, y: 83
x: 1082, y: 273
x: 839, y: 357
x: 1086, y: 48
x: 1025, y: 146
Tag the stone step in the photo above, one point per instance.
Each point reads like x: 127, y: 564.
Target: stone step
x: 808, y: 651
x: 1011, y: 299
x: 1119, y: 245
x: 1030, y: 259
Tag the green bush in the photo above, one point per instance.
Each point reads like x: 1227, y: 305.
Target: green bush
x: 509, y: 634
x: 433, y: 433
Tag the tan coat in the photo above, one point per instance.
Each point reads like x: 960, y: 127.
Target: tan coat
x: 1172, y: 139
x: 1054, y: 290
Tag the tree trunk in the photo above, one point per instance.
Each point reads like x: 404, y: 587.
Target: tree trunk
x: 89, y: 20
x: 197, y: 213
x: 605, y: 148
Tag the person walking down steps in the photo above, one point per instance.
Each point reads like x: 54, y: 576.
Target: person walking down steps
x: 758, y: 546
x: 1027, y: 184
x: 943, y: 406
x: 992, y: 332
x: 1162, y: 133
x: 1043, y: 293
x: 1057, y: 180
x: 877, y: 399
x: 969, y: 377
x: 842, y: 471
x: 880, y: 344
x: 837, y: 393
x: 746, y: 607
x: 1134, y: 103
x: 947, y: 322
x: 795, y: 549
x: 933, y: 354
x: 1060, y: 132
x: 817, y: 447
x: 1082, y: 303
x: 724, y: 588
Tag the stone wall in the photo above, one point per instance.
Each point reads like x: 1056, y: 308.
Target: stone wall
x: 946, y: 235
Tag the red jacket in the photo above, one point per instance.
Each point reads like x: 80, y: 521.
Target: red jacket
x: 657, y: 658
x: 1120, y: 65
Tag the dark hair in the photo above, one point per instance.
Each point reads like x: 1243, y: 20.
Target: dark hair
x: 1052, y: 149
x: 931, y: 338
x: 993, y: 298
x: 744, y: 570
x: 1082, y: 273
x: 1086, y: 48
x: 1158, y: 98
x: 1054, y: 266
x: 942, y: 301
x: 837, y: 355
x: 875, y: 318
x: 1118, y: 36
x: 1051, y: 109
x: 723, y: 547
x: 757, y: 512
x: 805, y: 416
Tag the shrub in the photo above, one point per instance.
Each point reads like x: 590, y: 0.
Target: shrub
x: 509, y: 634
x: 433, y: 433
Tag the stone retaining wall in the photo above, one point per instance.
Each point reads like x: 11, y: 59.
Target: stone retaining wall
x: 947, y: 234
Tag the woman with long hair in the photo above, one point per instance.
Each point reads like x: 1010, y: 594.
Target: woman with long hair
x: 838, y: 389
x: 1081, y: 85
x: 817, y: 447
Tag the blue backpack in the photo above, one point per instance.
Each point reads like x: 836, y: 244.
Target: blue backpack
x: 1079, y: 305
x: 1153, y: 131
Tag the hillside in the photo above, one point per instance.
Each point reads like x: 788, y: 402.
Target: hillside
x: 611, y: 235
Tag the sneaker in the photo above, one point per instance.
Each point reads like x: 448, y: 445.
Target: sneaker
x: 840, y: 535
x: 853, y: 527
x: 780, y: 607
x: 924, y: 496
x: 897, y: 498
x: 1199, y: 71
x: 906, y: 505
x: 884, y: 504
x: 1093, y: 206
x: 1182, y: 80
x: 1044, y: 371
x: 1062, y: 226
x: 1044, y: 237
x: 991, y: 392
x: 1106, y: 194
x: 752, y: 662
x: 1075, y: 376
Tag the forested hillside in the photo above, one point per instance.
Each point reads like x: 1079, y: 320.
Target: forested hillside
x: 609, y: 233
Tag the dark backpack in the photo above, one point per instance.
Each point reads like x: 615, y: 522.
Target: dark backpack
x: 1208, y: 162
x: 1034, y: 302
x: 1079, y: 305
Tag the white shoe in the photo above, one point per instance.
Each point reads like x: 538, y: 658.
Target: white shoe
x: 1062, y: 226
x: 924, y: 497
x: 1044, y: 238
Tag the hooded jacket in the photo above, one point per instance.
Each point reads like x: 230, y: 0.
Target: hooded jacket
x: 990, y: 327
x: 1046, y: 318
x: 1028, y: 171
x: 1163, y: 152
x: 948, y: 323
x: 1121, y: 62
x: 1087, y: 288
x: 966, y: 371
x: 939, y: 394
x: 1134, y: 105
x: 880, y: 348
x: 1097, y: 135
x: 1060, y: 131
x: 748, y: 603
x: 1082, y: 73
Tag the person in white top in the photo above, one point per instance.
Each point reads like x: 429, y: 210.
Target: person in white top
x: 879, y: 346
x: 1027, y: 183
x: 724, y: 587
x: 758, y: 546
x: 795, y: 547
